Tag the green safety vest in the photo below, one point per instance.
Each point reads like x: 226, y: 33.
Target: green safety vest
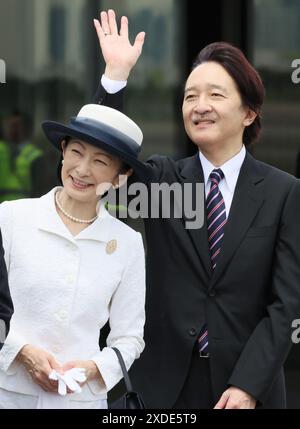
x: 15, y: 177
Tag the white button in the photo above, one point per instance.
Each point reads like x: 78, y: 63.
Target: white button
x: 71, y: 247
x: 56, y: 349
x: 70, y: 279
x: 63, y: 314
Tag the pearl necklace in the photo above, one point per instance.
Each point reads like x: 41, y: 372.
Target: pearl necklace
x: 74, y: 219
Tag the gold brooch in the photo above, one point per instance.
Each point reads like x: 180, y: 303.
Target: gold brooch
x: 111, y: 247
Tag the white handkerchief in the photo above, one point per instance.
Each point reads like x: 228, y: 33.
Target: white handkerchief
x: 69, y: 379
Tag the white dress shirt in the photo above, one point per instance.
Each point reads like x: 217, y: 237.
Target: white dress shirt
x: 231, y: 170
x: 65, y: 288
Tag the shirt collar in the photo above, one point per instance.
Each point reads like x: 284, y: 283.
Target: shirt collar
x: 230, y: 168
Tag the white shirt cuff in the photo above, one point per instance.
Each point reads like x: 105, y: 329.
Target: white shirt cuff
x: 112, y: 86
x: 13, y: 344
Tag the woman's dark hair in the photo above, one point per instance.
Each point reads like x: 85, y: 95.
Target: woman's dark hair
x: 245, y: 76
x: 123, y: 170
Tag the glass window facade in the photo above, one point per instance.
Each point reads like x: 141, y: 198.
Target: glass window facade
x: 274, y: 36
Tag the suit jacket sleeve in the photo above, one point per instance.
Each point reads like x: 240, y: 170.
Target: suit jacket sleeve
x: 6, y: 305
x: 268, y: 346
x: 115, y: 101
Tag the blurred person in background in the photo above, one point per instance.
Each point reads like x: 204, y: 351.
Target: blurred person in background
x: 17, y: 157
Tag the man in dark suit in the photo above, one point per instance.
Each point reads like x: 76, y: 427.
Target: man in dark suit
x: 220, y: 299
x: 6, y: 305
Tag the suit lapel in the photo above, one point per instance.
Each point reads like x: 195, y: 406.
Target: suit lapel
x: 246, y: 203
x: 192, y: 173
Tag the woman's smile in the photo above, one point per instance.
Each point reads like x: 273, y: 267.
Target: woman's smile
x: 79, y: 184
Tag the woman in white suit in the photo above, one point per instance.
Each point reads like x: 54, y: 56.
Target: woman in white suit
x: 71, y: 267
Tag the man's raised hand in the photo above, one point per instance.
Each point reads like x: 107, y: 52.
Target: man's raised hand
x: 119, y: 54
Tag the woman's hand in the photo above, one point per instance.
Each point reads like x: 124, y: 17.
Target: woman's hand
x: 91, y: 370
x: 39, y: 363
x: 118, y: 53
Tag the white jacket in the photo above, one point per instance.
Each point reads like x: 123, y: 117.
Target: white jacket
x: 65, y: 288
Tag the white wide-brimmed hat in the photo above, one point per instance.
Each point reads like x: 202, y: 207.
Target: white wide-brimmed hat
x: 103, y: 127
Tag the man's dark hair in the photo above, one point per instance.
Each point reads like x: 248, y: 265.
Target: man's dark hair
x: 247, y: 79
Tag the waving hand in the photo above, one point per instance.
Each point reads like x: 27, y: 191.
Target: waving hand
x: 119, y: 54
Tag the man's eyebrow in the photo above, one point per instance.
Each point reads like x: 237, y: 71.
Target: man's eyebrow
x: 214, y: 86
x: 190, y: 88
x: 210, y: 85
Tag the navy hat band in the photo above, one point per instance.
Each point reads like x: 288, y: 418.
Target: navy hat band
x: 106, y: 134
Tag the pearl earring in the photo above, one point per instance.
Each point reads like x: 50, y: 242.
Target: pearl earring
x: 62, y: 162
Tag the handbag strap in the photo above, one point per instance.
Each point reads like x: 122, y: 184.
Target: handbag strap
x: 124, y: 370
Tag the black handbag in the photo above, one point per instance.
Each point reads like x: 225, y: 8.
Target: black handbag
x: 131, y: 400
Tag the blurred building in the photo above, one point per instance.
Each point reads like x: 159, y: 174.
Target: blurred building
x: 54, y: 64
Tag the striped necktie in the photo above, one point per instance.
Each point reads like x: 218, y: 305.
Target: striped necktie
x: 216, y: 220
